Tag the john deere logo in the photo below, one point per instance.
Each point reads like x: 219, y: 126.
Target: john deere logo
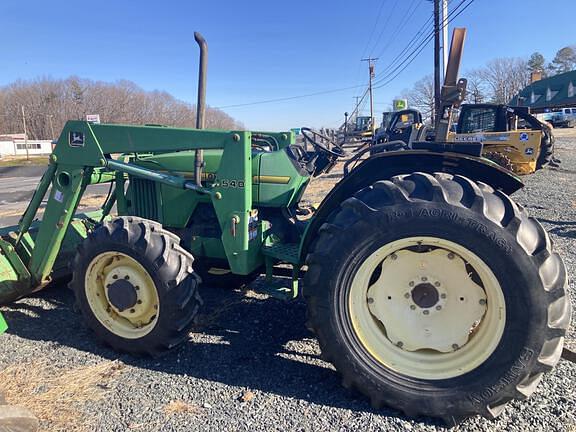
x: 400, y: 104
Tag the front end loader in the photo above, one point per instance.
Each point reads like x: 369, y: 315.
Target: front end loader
x: 427, y: 286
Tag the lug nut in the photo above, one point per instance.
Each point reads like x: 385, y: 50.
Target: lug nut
x: 437, y: 284
x: 139, y: 302
x: 370, y: 300
x: 443, y: 295
x: 438, y: 307
x: 126, y: 277
x: 132, y: 310
x: 393, y: 256
x: 482, y: 301
x: 412, y: 307
x: 450, y: 255
x: 399, y: 344
x: 407, y: 295
x: 114, y: 276
x: 426, y: 312
x: 136, y: 287
x: 455, y: 347
x: 424, y: 278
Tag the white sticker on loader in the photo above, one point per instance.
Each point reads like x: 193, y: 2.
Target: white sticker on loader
x: 524, y: 136
x: 58, y: 196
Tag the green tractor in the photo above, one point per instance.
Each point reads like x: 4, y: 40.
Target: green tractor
x: 427, y: 286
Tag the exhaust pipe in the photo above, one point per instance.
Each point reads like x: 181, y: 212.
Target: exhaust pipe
x: 201, y: 104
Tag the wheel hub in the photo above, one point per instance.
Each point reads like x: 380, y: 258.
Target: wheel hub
x: 424, y: 295
x: 122, y: 295
x: 426, y: 300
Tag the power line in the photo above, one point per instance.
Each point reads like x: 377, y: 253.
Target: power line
x: 410, y: 44
x: 414, y: 54
x: 410, y: 58
x: 384, y: 27
x: 290, y: 97
x: 407, y: 16
x: 374, y: 27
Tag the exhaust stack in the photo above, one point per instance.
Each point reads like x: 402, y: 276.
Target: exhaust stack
x: 201, y: 104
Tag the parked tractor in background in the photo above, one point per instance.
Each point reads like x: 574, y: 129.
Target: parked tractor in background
x: 361, y: 130
x: 427, y: 286
x: 511, y: 136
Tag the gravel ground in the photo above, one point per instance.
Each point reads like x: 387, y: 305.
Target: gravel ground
x: 252, y: 365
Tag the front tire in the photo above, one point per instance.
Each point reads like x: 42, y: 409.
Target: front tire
x: 135, y: 286
x: 437, y: 296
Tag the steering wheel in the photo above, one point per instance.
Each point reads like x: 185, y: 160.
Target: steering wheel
x: 322, y: 143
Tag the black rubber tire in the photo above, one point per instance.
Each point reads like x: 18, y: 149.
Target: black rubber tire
x: 487, y: 222
x: 169, y: 266
x: 546, y: 151
x: 228, y: 280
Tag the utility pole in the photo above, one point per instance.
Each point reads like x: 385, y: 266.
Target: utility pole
x: 437, y: 71
x: 25, y: 134
x: 371, y: 62
x: 445, y: 43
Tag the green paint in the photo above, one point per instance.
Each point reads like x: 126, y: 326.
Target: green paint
x: 157, y: 165
x: 3, y: 325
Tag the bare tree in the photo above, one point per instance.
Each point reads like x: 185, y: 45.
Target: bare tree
x: 476, y: 91
x: 50, y: 103
x: 421, y: 97
x: 504, y: 78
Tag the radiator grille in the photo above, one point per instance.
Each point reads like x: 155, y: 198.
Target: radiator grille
x: 145, y: 201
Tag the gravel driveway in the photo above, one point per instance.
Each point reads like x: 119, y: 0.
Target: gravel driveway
x: 252, y: 365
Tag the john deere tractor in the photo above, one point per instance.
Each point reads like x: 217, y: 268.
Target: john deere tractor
x: 428, y: 287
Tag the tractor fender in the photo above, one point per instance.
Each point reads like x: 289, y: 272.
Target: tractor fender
x: 382, y: 166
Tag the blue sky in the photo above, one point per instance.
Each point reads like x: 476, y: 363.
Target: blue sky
x: 261, y: 50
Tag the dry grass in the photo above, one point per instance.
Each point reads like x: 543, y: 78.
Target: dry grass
x: 21, y: 160
x: 56, y: 396
x: 180, y: 407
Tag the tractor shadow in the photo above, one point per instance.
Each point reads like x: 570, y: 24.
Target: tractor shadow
x: 243, y: 339
x: 561, y: 228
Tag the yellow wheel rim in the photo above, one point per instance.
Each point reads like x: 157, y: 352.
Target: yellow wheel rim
x: 122, y: 295
x: 427, y: 308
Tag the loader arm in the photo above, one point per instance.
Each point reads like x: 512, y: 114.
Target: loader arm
x: 84, y: 155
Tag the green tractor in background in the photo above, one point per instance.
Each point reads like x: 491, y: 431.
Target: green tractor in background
x: 428, y: 288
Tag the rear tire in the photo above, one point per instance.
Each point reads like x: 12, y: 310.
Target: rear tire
x: 527, y: 308
x: 135, y: 286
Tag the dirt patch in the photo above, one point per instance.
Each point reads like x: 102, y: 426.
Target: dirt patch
x: 180, y: 407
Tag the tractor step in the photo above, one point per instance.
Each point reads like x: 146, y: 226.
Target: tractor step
x: 285, y: 252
